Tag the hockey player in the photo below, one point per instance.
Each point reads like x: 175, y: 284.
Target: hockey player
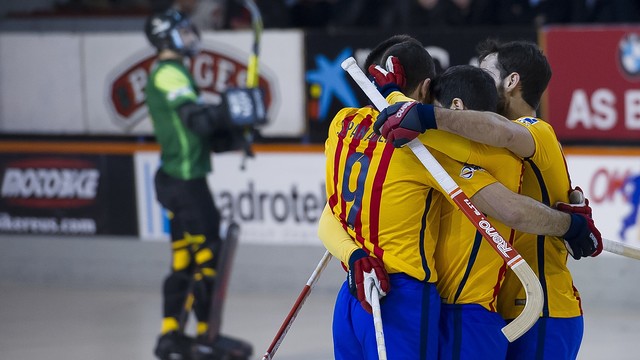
x: 187, y: 131
x: 521, y: 73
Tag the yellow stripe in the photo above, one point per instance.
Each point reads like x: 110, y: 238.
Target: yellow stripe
x: 208, y: 272
x: 178, y: 244
x: 202, y: 328
x: 169, y: 324
x: 203, y: 256
x: 252, y: 72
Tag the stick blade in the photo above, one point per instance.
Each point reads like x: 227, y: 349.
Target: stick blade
x: 533, y: 307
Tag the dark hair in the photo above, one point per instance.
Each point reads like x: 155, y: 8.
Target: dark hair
x: 524, y: 58
x: 416, y: 61
x: 375, y: 56
x: 474, y: 86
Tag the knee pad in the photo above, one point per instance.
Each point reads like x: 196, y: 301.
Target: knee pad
x: 181, y: 255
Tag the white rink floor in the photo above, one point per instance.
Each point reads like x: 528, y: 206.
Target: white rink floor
x: 73, y: 324
x: 43, y: 317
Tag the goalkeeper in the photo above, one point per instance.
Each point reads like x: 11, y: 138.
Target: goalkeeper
x: 187, y: 131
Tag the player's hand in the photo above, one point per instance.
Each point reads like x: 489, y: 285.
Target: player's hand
x: 583, y: 238
x: 359, y: 264
x: 578, y: 204
x: 404, y: 121
x: 388, y: 79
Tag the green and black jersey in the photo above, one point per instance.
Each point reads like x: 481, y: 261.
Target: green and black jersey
x: 184, y: 154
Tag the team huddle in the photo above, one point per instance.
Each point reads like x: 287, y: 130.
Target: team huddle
x: 447, y: 294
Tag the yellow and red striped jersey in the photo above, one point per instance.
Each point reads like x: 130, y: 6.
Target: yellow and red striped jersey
x: 384, y: 197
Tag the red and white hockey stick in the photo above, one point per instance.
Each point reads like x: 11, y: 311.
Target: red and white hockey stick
x: 529, y: 280
x: 288, y: 321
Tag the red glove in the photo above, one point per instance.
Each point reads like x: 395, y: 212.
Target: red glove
x: 404, y: 121
x: 578, y: 204
x: 359, y: 264
x: 583, y: 238
x: 388, y: 79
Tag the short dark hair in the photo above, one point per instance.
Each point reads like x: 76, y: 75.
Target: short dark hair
x: 524, y: 58
x: 375, y: 56
x: 417, y: 63
x: 474, y: 86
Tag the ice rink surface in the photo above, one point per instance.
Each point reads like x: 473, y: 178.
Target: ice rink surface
x: 71, y: 307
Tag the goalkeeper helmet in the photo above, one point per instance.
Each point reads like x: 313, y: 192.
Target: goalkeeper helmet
x: 174, y: 31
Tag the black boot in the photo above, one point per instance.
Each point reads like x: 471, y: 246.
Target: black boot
x: 173, y: 346
x: 222, y: 348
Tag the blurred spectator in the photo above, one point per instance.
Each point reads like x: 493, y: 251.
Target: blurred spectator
x: 359, y: 13
x: 477, y: 12
x: 606, y: 11
x: 433, y: 13
x: 275, y: 14
x: 551, y: 11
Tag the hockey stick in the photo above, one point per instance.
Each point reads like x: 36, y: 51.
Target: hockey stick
x: 227, y: 251
x: 190, y: 298
x: 253, y: 78
x: 527, y: 277
x: 372, y: 289
x: 622, y: 249
x: 615, y: 247
x: 288, y: 321
x: 256, y: 24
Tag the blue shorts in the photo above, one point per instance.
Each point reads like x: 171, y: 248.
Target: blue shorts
x: 549, y: 339
x: 410, y: 314
x: 469, y: 331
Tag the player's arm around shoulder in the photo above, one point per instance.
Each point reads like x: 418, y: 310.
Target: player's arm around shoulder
x: 520, y: 212
x: 487, y: 128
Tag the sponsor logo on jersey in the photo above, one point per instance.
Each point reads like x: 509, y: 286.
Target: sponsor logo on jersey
x: 527, y: 121
x: 50, y: 183
x: 468, y: 171
x: 213, y: 70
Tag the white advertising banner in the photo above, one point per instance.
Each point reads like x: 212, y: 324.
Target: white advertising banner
x: 92, y: 83
x: 41, y: 89
x: 612, y: 185
x: 277, y: 199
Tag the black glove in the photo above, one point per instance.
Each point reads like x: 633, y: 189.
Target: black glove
x: 245, y: 106
x: 405, y: 121
x: 361, y: 265
x: 583, y: 238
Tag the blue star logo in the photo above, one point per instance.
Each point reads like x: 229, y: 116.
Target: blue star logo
x: 331, y: 78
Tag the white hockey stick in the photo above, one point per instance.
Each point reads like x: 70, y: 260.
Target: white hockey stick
x: 304, y: 294
x: 619, y: 248
x: 528, y: 278
x: 372, y: 289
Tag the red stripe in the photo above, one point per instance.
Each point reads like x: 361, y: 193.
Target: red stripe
x: 366, y: 122
x: 376, y: 195
x: 333, y: 200
x: 575, y: 291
